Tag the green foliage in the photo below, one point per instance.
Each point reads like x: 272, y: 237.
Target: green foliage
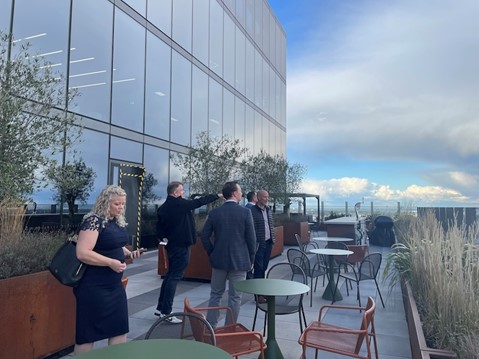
x: 210, y: 164
x: 33, y: 122
x: 73, y: 181
x: 30, y: 253
x: 148, y: 195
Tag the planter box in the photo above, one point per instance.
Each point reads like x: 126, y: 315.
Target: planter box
x: 279, y: 243
x: 419, y: 347
x: 37, y: 316
x: 292, y: 228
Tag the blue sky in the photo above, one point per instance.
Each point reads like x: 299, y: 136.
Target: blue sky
x: 383, y: 98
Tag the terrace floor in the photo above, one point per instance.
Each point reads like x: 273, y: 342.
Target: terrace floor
x: 391, y: 327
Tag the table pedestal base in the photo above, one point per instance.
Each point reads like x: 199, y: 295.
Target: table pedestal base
x: 331, y: 292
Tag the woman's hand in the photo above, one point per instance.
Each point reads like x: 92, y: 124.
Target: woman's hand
x: 133, y: 254
x: 117, y: 266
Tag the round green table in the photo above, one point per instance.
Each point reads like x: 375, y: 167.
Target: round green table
x: 270, y: 288
x: 158, y: 348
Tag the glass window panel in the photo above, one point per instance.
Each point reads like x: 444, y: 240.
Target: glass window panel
x: 138, y: 5
x: 182, y: 23
x: 258, y: 78
x: 258, y: 22
x: 283, y: 104
x: 201, y: 16
x: 240, y: 61
x: 228, y: 114
x: 90, y: 61
x: 176, y: 174
x: 240, y: 121
x: 229, y: 51
x: 265, y: 104
x: 272, y: 137
x: 199, y: 103
x: 265, y: 44
x: 230, y: 4
x: 277, y: 101
x: 272, y: 89
x: 250, y: 17
x: 249, y: 129
x: 157, y: 163
x: 43, y: 25
x: 215, y: 119
x: 180, y: 99
x: 249, y: 71
x: 5, y: 5
x: 126, y: 150
x: 272, y: 39
x: 265, y: 133
x: 128, y: 73
x: 241, y: 12
x: 216, y: 38
x: 157, y: 99
x: 159, y: 14
x: 258, y: 132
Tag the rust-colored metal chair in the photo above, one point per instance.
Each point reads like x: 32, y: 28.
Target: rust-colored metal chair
x: 359, y: 253
x: 320, y: 335
x: 234, y: 339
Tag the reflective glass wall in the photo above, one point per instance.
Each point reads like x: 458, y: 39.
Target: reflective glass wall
x: 152, y: 74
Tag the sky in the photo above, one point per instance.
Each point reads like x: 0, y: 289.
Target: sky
x: 383, y: 99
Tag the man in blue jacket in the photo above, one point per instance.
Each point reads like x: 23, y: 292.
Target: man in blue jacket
x: 232, y: 250
x: 177, y: 225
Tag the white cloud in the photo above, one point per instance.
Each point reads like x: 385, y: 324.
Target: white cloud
x: 400, y: 82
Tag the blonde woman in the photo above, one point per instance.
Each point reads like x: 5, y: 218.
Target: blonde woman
x: 102, y: 310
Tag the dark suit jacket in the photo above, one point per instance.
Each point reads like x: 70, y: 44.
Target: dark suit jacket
x: 233, y: 245
x: 176, y: 222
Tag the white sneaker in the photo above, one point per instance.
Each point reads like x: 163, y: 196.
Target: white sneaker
x: 172, y: 319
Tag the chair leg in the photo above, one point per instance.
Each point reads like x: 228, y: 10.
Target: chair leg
x: 380, y: 296
x: 265, y: 323
x: 358, y: 296
x: 255, y: 315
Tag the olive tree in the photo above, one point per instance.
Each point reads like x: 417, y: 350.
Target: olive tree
x: 74, y: 181
x: 34, y: 124
x: 209, y: 164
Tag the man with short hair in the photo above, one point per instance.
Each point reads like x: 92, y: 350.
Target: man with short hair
x: 229, y: 239
x: 264, y: 229
x: 177, y: 225
x: 251, y: 198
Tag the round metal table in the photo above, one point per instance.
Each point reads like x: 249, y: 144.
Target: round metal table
x: 270, y: 288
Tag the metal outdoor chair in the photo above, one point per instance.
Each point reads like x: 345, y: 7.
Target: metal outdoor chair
x: 312, y: 270
x: 235, y: 338
x: 193, y: 327
x: 368, y: 270
x: 339, y: 339
x: 285, y: 304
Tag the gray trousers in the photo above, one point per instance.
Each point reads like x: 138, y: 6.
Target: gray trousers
x: 218, y: 286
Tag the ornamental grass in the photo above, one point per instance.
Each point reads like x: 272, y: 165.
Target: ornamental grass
x: 441, y: 262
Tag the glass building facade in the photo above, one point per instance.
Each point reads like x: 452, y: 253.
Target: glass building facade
x: 152, y: 74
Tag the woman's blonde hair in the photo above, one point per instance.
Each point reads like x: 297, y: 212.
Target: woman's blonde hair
x: 102, y: 205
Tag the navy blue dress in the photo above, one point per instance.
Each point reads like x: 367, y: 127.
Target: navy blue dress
x: 102, y: 307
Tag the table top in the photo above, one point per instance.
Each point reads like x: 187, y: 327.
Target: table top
x: 333, y: 239
x: 343, y: 220
x: 331, y: 251
x: 152, y: 349
x: 271, y: 287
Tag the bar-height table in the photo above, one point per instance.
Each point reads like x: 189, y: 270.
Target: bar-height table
x: 331, y: 292
x: 153, y: 349
x: 333, y: 239
x: 270, y: 288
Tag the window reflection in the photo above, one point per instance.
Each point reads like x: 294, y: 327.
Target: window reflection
x: 90, y: 61
x: 215, y: 118
x: 128, y: 73
x: 157, y: 163
x: 180, y: 99
x: 249, y: 82
x: 5, y: 5
x: 199, y: 110
x: 182, y: 25
x: 240, y: 61
x: 159, y: 14
x: 258, y: 79
x: 258, y: 133
x: 157, y: 99
x: 228, y: 114
x: 201, y: 16
x: 44, y: 26
x: 249, y: 129
x: 138, y: 5
x: 126, y: 150
x: 229, y: 51
x: 216, y: 38
x: 240, y: 121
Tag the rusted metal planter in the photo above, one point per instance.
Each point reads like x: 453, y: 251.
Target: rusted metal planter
x: 419, y: 347
x: 37, y: 316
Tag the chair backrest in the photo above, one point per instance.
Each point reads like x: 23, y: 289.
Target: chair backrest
x: 194, y: 327
x: 359, y: 253
x: 370, y: 265
x: 368, y: 317
x: 300, y: 241
x: 298, y: 257
x: 288, y: 271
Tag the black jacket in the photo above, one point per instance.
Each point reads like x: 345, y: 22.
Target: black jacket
x: 176, y: 222
x: 259, y: 223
